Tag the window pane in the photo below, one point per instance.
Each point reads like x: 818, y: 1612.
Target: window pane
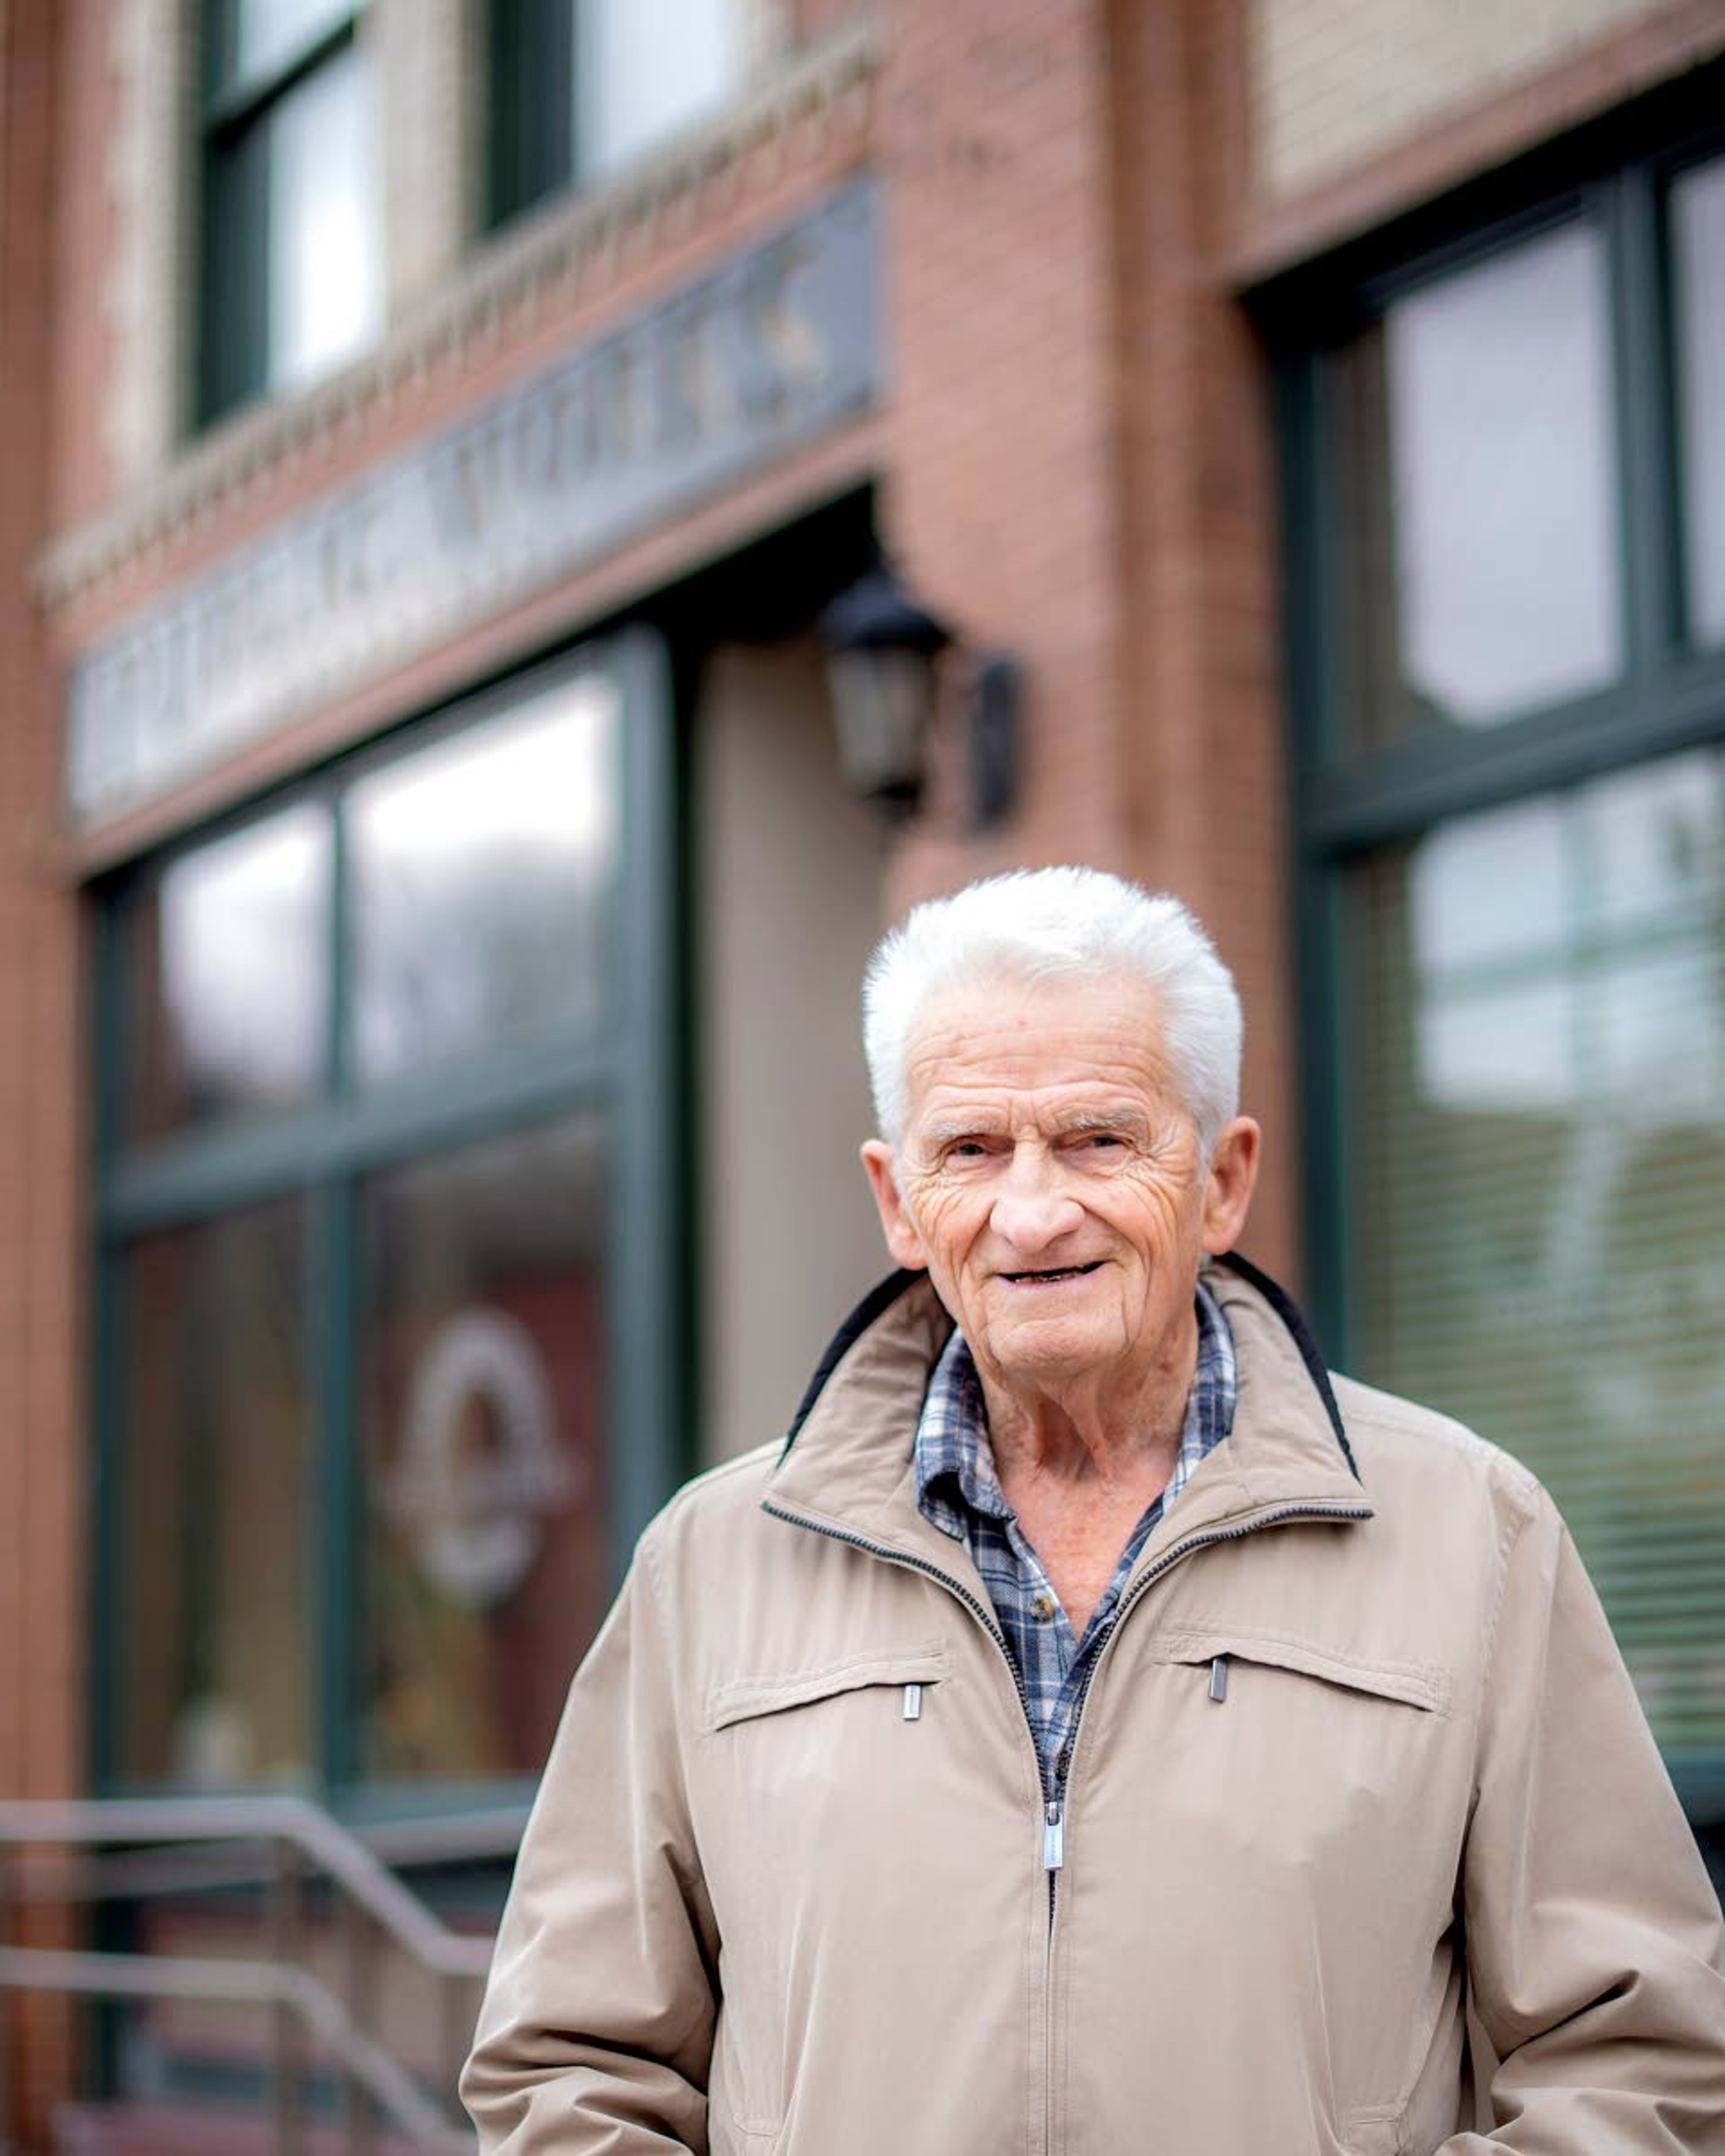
x: 1476, y: 458
x: 1538, y: 1179
x: 482, y: 873
x: 213, y: 1639
x: 325, y: 283
x: 645, y: 67
x: 1698, y: 235
x: 254, y: 36
x: 227, y: 973
x: 483, y: 1403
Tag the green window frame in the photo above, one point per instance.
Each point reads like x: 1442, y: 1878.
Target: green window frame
x: 536, y: 67
x: 629, y: 1067
x: 1350, y: 803
x: 240, y: 100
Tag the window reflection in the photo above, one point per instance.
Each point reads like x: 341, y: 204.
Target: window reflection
x: 644, y: 68
x: 483, y: 1401
x: 228, y: 970
x: 482, y: 868
x: 1486, y: 887
x: 1698, y: 245
x: 1538, y: 1176
x: 213, y: 1644
x: 1654, y: 841
x: 1477, y: 465
x: 256, y: 36
x: 326, y: 293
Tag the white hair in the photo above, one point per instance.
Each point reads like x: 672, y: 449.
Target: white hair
x: 1038, y: 925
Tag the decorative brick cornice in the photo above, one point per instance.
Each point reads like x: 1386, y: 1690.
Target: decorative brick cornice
x: 590, y: 237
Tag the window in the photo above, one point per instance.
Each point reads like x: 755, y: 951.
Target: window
x: 385, y: 1190
x: 292, y: 252
x: 1505, y: 573
x: 582, y: 88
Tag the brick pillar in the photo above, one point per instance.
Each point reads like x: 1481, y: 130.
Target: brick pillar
x: 1205, y: 767
x: 42, y: 1690
x: 1001, y: 504
x: 1079, y: 466
x: 153, y: 54
x: 430, y: 63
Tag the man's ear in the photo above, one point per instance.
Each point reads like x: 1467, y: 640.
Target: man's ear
x: 902, y: 1241
x: 1233, y: 1177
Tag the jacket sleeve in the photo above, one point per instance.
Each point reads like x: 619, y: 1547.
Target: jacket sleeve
x: 1594, y: 1937
x: 597, y: 2028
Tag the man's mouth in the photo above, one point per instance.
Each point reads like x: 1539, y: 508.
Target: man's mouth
x: 1046, y: 1276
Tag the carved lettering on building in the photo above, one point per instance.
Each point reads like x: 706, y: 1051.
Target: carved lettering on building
x: 756, y: 359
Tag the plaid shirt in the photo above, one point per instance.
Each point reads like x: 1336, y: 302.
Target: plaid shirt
x: 958, y: 1491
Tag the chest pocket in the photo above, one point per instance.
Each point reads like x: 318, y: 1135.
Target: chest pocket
x: 1352, y: 1744
x: 1223, y: 1650
x: 748, y: 1699
x: 798, y: 1764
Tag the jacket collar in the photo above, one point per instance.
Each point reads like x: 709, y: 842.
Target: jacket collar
x: 847, y: 1465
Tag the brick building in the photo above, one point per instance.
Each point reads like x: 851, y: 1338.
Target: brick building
x: 431, y: 905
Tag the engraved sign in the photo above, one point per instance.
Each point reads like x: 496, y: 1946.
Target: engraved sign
x: 766, y: 353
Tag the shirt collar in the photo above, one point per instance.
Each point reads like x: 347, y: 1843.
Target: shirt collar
x: 955, y: 1462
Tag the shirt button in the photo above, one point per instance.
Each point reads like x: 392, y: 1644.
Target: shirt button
x: 1044, y: 1609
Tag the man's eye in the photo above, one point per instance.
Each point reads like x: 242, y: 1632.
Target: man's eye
x: 1103, y: 1139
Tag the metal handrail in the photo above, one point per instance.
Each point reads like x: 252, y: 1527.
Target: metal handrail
x: 338, y: 1854
x: 323, y: 1847
x: 144, y: 1873
x: 247, y: 1984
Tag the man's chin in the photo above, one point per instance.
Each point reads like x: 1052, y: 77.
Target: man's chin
x: 1034, y: 1350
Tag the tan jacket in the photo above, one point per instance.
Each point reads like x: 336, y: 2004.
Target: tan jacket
x: 784, y: 1891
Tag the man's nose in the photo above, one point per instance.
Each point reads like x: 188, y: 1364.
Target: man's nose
x: 1032, y: 1207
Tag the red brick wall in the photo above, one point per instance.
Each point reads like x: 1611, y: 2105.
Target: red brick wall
x: 1001, y: 500
x: 1080, y: 467
x: 84, y: 236
x: 41, y: 1690
x: 1204, y: 757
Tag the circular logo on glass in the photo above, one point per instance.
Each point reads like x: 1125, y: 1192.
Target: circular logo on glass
x: 479, y: 1467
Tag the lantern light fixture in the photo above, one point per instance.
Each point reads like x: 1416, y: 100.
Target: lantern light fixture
x: 882, y: 652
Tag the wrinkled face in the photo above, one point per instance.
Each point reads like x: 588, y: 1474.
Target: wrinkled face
x: 1052, y: 1184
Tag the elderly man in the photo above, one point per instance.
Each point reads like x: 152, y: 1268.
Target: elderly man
x: 1095, y: 1728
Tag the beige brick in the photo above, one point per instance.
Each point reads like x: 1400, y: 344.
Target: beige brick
x: 1334, y: 81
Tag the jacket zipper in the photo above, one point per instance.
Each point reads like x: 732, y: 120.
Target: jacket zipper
x: 1172, y: 1557
x: 1053, y: 1811
x: 946, y: 1579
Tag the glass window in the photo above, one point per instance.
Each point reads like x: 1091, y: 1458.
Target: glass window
x: 228, y: 967
x: 582, y: 88
x: 322, y: 247
x: 645, y: 67
x: 1698, y: 245
x: 1539, y: 1177
x: 482, y: 868
x: 385, y: 1127
x: 1475, y: 460
x: 253, y: 38
x: 1520, y: 1174
x: 292, y: 228
x: 213, y: 1623
x: 483, y: 1402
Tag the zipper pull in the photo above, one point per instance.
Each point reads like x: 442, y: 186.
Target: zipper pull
x: 1219, y: 1678
x: 1053, y: 1839
x: 913, y: 1702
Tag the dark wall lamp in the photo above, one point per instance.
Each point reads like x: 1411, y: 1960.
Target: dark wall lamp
x: 882, y: 649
